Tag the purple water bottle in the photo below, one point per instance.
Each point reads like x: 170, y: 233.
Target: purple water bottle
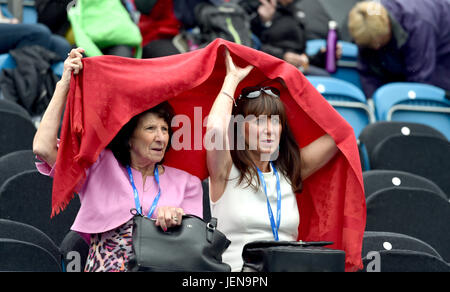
x: 331, y: 47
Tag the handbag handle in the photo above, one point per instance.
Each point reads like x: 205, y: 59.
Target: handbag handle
x: 210, y: 226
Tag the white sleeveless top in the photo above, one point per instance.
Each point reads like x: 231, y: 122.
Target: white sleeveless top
x: 243, y: 216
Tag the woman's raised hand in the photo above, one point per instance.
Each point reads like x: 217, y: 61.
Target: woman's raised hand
x: 72, y: 64
x: 234, y: 71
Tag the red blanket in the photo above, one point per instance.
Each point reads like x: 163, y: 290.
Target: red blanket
x: 110, y: 90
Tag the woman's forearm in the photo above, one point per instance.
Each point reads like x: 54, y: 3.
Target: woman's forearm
x: 45, y: 140
x: 220, y: 114
x: 317, y: 154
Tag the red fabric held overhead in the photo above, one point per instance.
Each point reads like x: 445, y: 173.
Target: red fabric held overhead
x: 111, y: 90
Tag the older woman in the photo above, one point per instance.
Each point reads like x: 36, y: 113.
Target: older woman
x: 127, y: 175
x: 253, y: 186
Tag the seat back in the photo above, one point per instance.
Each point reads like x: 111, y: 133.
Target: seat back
x: 347, y: 99
x: 10, y: 106
x: 20, y: 256
x: 419, y: 213
x: 74, y: 248
x: 346, y: 66
x: 404, y: 261
x: 16, y: 133
x: 419, y: 154
x: 413, y: 102
x: 375, y: 180
x: 27, y: 198
x: 380, y: 241
x: 374, y: 133
x: 7, y: 62
x: 27, y: 233
x: 16, y: 162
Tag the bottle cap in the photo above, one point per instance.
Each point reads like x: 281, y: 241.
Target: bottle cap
x: 332, y: 24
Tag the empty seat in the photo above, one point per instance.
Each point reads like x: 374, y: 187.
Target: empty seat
x: 347, y: 99
x: 404, y: 261
x: 7, y: 62
x: 16, y: 133
x: 374, y: 133
x: 29, y: 14
x: 349, y: 50
x: 414, y: 102
x: 73, y: 242
x: 419, y: 213
x: 418, y: 154
x: 375, y: 180
x: 346, y: 66
x: 20, y: 256
x: 16, y: 162
x: 11, y: 106
x: 379, y: 241
x: 26, y: 197
x: 27, y: 233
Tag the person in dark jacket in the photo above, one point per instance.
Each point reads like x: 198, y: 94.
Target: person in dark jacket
x: 15, y: 35
x: 402, y: 41
x: 279, y: 24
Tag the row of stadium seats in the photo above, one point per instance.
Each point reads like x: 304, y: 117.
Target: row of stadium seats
x: 407, y: 221
x: 8, y: 62
x: 408, y: 102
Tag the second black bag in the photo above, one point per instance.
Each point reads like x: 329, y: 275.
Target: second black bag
x: 292, y: 256
x: 194, y: 246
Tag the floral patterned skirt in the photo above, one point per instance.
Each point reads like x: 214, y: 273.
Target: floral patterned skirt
x: 110, y: 251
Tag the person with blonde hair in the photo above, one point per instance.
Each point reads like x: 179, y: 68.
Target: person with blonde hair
x: 402, y: 41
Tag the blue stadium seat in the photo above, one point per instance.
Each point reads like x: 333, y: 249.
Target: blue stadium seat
x: 5, y: 11
x: 29, y: 13
x: 347, y: 65
x: 349, y: 50
x: 347, y: 99
x: 413, y: 102
x: 7, y: 62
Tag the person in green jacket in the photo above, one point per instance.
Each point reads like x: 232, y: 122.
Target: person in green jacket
x: 104, y: 27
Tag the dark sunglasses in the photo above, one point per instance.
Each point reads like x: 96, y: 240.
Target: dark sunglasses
x: 256, y: 91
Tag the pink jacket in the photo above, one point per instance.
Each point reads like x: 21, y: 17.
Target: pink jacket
x: 107, y: 196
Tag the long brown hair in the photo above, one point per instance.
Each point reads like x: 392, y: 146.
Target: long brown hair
x: 288, y: 162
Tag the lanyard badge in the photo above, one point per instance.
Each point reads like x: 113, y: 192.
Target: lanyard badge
x: 136, y: 195
x: 275, y: 225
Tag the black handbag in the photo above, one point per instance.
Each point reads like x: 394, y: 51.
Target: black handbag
x: 193, y: 246
x: 292, y: 256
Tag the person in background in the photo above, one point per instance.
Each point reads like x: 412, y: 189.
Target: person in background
x: 105, y: 27
x: 402, y: 41
x: 15, y: 35
x: 279, y: 25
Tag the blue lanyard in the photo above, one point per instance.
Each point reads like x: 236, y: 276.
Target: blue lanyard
x: 275, y: 227
x: 136, y: 195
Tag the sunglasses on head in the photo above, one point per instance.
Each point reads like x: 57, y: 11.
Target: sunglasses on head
x: 256, y: 91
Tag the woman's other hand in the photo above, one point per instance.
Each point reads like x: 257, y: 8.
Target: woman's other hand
x: 168, y: 217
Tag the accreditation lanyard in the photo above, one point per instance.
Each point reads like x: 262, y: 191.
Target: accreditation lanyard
x: 136, y: 195
x: 275, y: 226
